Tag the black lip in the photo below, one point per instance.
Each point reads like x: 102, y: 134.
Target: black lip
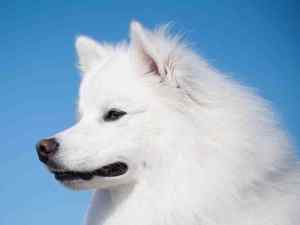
x: 110, y: 170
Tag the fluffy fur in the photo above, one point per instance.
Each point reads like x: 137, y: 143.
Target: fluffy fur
x: 201, y: 148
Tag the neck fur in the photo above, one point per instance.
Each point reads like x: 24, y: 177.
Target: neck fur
x: 155, y: 201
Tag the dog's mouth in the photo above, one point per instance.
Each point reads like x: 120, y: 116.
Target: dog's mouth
x: 110, y: 170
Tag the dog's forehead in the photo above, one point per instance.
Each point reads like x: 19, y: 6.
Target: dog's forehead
x: 113, y: 81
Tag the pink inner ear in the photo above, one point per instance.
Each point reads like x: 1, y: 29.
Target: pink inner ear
x: 151, y: 64
x: 153, y: 67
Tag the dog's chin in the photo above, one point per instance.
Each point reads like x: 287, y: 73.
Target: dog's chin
x: 78, y: 185
x: 104, y: 177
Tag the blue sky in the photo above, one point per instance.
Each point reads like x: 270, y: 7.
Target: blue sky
x: 256, y: 42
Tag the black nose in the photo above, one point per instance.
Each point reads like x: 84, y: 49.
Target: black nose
x: 46, y: 149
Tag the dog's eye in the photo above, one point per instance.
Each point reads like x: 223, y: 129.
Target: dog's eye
x: 113, y: 114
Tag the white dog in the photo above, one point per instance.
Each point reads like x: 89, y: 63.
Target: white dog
x: 172, y: 140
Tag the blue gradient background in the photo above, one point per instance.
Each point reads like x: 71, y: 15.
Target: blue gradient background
x: 257, y: 42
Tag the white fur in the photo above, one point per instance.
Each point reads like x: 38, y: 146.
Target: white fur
x: 201, y: 148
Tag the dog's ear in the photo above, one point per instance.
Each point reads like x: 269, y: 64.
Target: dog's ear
x: 145, y: 50
x: 90, y: 53
x: 156, y: 52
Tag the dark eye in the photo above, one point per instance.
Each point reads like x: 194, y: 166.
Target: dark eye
x: 113, y: 114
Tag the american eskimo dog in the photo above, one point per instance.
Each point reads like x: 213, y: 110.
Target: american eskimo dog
x: 172, y: 140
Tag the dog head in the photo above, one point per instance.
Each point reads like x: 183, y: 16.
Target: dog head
x: 125, y: 112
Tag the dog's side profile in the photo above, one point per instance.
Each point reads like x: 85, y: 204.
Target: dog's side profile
x: 172, y: 140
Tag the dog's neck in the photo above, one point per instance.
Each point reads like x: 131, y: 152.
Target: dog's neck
x: 158, y: 202
x: 188, y: 193
x: 133, y: 205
